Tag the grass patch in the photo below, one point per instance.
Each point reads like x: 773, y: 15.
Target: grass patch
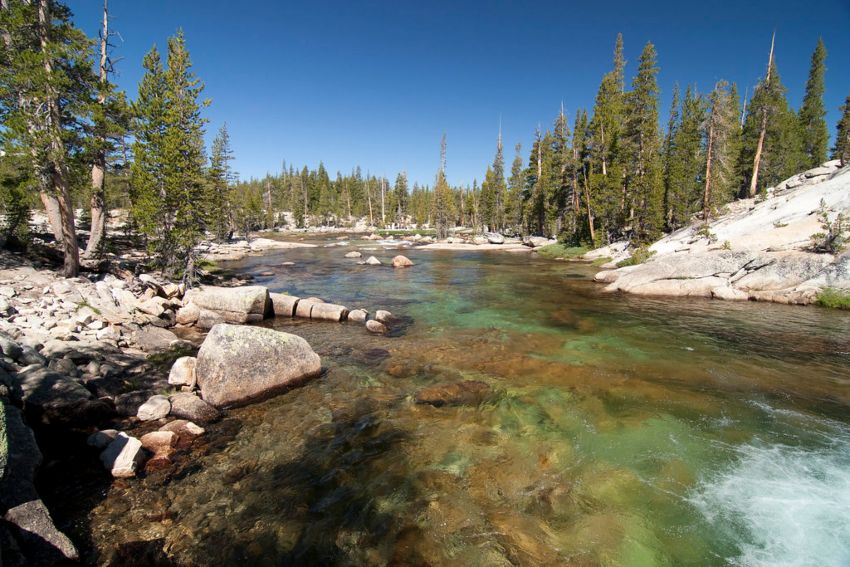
x: 601, y: 261
x: 208, y: 265
x: 562, y: 251
x: 834, y: 299
x: 85, y: 303
x: 639, y: 256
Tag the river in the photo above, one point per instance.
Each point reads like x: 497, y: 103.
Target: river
x: 622, y: 430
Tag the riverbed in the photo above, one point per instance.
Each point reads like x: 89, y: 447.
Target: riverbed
x: 621, y: 430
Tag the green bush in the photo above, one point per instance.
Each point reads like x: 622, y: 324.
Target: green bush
x: 562, y: 251
x: 834, y: 298
x: 641, y: 254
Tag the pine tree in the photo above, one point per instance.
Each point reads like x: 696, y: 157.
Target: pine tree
x: 686, y: 162
x: 841, y: 151
x: 642, y: 140
x: 401, y: 197
x: 220, y: 179
x: 516, y: 183
x: 580, y: 178
x: 561, y: 200
x: 443, y: 200
x: 46, y: 90
x: 672, y: 125
x: 720, y: 131
x: 815, y: 137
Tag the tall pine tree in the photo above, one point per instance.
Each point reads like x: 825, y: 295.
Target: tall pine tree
x: 815, y: 137
x: 841, y: 151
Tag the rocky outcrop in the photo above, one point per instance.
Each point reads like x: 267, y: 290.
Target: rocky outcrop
x: 246, y: 304
x: 760, y: 250
x: 237, y: 364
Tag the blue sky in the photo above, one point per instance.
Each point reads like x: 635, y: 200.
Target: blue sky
x: 375, y: 83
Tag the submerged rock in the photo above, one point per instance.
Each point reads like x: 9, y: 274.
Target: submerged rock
x: 467, y: 392
x: 237, y: 364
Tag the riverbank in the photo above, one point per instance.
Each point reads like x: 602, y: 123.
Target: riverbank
x: 760, y: 249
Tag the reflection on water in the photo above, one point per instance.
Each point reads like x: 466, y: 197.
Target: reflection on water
x: 622, y: 430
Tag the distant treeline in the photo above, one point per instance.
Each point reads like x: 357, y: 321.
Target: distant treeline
x: 71, y: 138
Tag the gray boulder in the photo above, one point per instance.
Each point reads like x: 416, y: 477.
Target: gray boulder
x: 156, y: 407
x: 237, y: 364
x: 186, y: 405
x: 154, y: 339
x: 494, y: 238
x: 246, y: 304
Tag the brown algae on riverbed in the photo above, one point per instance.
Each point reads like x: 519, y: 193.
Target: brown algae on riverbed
x: 615, y: 434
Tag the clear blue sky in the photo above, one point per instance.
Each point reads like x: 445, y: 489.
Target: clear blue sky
x: 376, y: 83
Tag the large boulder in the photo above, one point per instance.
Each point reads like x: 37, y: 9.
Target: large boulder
x: 283, y: 305
x: 246, y: 304
x: 237, y: 364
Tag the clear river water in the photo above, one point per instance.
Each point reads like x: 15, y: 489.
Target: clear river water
x: 621, y: 430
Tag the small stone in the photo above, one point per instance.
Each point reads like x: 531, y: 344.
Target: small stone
x: 181, y: 426
x: 353, y: 254
x: 155, y: 441
x: 183, y: 372
x: 358, y: 315
x: 383, y: 316
x: 401, y: 262
x: 122, y: 456
x: 376, y: 327
x: 156, y: 407
x: 372, y: 261
x: 186, y: 405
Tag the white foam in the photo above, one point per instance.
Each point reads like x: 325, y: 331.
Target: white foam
x: 784, y: 506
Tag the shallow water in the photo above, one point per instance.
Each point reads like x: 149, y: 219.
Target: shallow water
x: 621, y: 430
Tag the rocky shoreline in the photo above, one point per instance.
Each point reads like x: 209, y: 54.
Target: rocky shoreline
x: 760, y: 250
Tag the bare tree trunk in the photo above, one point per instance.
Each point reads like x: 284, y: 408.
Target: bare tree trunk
x: 760, y: 145
x: 706, y: 196
x: 383, y: 218
x: 369, y: 198
x: 58, y: 167
x: 51, y: 207
x: 98, y: 168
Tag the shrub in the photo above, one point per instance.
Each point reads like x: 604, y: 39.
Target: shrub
x: 641, y: 254
x: 833, y: 298
x: 834, y: 235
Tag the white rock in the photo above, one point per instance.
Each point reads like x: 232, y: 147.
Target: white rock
x: 123, y: 456
x: 372, y: 261
x: 183, y: 372
x: 156, y: 407
x: 383, y: 316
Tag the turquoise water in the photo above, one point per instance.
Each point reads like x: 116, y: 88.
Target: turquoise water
x: 619, y: 430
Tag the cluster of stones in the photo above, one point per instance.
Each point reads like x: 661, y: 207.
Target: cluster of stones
x: 208, y: 306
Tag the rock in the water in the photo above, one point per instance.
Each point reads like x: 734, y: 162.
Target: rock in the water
x: 358, y: 315
x: 156, y: 441
x: 245, y: 304
x: 401, y: 262
x: 183, y: 372
x: 123, y: 456
x: 372, y: 261
x: 283, y: 304
x: 102, y: 439
x: 186, y: 405
x: 328, y: 312
x: 183, y: 428
x: 237, y: 364
x: 305, y: 306
x: 376, y: 327
x: 188, y: 314
x: 156, y: 407
x: 154, y: 339
x: 383, y: 316
x: 353, y: 254
x: 467, y: 392
x: 494, y: 238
